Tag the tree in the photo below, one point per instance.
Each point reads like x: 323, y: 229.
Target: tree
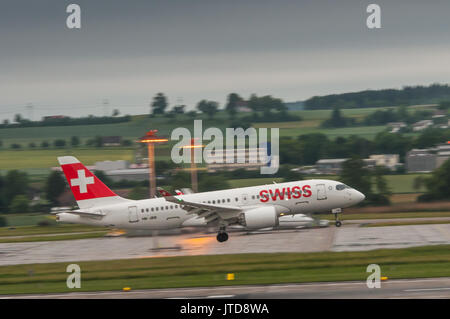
x: 138, y: 192
x: 45, y: 144
x: 208, y: 107
x: 232, y: 103
x: 380, y: 182
x: 59, y: 143
x: 438, y: 185
x: 55, y: 185
x: 104, y: 178
x: 418, y: 183
x: 3, y: 207
x: 355, y: 175
x: 18, y: 118
x: 159, y: 104
x: 192, y: 114
x: 16, y: 183
x: 74, y: 141
x: 212, y: 182
x: 19, y: 204
x: 179, y: 109
x: 337, y: 120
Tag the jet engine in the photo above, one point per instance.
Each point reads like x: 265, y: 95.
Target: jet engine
x: 260, y: 217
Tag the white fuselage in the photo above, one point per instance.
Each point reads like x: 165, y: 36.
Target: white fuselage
x: 157, y: 213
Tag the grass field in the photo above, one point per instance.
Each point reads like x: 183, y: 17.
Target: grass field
x: 23, y: 159
x: 386, y: 215
x: 45, y: 230
x: 198, y: 271
x: 424, y: 222
x: 139, y: 124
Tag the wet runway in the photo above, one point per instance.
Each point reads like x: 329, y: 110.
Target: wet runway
x: 350, y: 237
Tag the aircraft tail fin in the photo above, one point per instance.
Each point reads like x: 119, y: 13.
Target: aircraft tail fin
x: 87, y: 189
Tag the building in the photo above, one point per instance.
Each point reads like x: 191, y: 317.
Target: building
x: 334, y: 165
x: 396, y: 126
x: 330, y: 166
x: 420, y: 160
x: 122, y: 170
x: 421, y: 125
x: 111, y: 165
x: 442, y: 154
x: 391, y: 161
x: 111, y: 140
x: 217, y: 160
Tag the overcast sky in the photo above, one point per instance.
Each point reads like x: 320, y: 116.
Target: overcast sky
x: 127, y: 51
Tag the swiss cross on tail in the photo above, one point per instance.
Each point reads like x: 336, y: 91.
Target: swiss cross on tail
x: 83, y: 183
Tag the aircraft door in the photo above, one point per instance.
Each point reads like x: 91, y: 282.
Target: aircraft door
x: 133, y: 216
x: 321, y: 192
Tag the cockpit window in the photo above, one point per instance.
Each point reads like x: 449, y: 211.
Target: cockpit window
x: 340, y: 187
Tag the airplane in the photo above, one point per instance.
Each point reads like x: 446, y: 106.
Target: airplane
x: 255, y: 207
x: 284, y: 221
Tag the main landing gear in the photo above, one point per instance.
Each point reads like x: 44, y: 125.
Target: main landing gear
x: 336, y: 213
x: 222, y: 235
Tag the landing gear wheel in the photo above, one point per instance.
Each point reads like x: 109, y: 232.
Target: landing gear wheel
x: 338, y: 224
x: 221, y: 237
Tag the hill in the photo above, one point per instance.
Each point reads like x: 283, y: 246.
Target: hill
x: 408, y: 95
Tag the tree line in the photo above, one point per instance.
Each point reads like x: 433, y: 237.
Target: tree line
x: 64, y: 121
x: 408, y: 95
x: 264, y: 108
x: 307, y: 149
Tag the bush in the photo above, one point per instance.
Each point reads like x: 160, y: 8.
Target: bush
x: 3, y: 221
x: 19, y: 204
x: 44, y: 223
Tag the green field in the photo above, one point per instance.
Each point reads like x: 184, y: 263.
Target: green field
x: 24, y: 159
x: 139, y: 124
x: 201, y: 271
x: 45, y: 230
x: 420, y: 222
x: 387, y: 215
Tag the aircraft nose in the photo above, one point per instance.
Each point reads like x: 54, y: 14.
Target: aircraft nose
x: 359, y: 196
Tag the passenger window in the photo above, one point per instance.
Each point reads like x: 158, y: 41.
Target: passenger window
x: 152, y: 209
x: 156, y: 209
x: 228, y: 200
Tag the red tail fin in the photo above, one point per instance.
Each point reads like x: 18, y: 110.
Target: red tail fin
x: 84, y: 185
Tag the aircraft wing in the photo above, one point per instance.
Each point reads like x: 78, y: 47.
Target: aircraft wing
x: 208, y: 211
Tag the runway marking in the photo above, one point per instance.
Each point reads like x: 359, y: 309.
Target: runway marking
x: 427, y: 289
x: 221, y: 296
